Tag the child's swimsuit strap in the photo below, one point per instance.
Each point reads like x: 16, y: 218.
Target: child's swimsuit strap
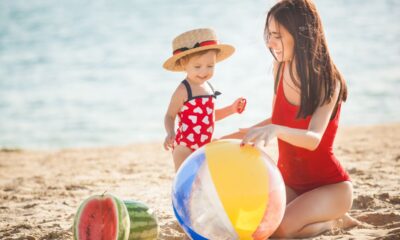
x: 188, y: 89
x: 216, y: 93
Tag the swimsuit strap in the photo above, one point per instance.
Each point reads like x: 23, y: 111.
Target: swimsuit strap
x: 188, y: 89
x: 216, y: 93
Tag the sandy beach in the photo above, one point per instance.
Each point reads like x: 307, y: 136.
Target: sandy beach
x: 40, y: 191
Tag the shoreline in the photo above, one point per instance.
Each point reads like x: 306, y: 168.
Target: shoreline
x: 40, y: 190
x: 133, y: 143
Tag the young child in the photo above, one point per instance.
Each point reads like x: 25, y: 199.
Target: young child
x: 195, y: 52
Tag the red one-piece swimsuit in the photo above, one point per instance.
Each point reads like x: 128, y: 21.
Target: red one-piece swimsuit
x: 196, y: 119
x: 302, y: 169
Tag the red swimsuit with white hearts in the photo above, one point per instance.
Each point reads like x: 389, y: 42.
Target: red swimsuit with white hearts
x: 196, y: 119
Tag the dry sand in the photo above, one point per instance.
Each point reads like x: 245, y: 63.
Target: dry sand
x: 41, y: 190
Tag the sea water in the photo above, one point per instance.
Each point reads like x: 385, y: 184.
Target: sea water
x: 83, y: 73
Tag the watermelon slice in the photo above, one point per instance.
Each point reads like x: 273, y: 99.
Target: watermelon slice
x: 102, y: 217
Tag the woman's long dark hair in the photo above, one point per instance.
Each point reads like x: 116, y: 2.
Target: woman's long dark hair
x: 315, y: 68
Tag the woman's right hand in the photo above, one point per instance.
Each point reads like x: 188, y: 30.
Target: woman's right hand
x: 236, y: 135
x: 169, y: 141
x: 257, y: 135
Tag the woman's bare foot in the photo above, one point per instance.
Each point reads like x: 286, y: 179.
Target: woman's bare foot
x: 344, y: 222
x: 349, y: 222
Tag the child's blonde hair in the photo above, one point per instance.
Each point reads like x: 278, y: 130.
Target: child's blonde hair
x: 185, y: 59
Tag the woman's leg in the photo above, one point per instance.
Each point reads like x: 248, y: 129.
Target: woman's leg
x: 317, y: 211
x: 179, y: 154
x: 290, y: 195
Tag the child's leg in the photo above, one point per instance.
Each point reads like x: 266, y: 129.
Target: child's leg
x: 317, y: 211
x: 179, y: 154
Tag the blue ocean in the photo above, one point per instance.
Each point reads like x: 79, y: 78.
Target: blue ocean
x: 85, y: 73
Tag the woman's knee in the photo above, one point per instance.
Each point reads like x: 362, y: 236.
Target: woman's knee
x: 344, y: 191
x: 290, y: 194
x: 348, y: 192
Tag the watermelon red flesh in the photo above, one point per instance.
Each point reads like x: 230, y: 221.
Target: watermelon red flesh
x: 102, y: 217
x: 98, y: 220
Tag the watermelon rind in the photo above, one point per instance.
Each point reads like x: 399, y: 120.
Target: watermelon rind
x: 144, y: 225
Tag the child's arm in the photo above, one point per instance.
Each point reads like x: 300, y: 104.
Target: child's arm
x: 175, y: 105
x: 243, y: 131
x: 236, y: 107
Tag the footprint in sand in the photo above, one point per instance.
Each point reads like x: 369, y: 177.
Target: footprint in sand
x: 13, y: 186
x: 394, y: 200
x: 379, y: 219
x: 29, y: 206
x: 355, y: 171
x: 74, y: 187
x: 363, y: 202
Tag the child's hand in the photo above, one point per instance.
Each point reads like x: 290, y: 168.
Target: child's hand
x: 169, y: 141
x: 239, y: 105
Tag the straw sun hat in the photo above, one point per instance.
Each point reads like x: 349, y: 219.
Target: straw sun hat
x: 194, y: 41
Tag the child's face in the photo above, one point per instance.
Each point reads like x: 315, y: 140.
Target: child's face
x: 201, y: 68
x: 280, y: 41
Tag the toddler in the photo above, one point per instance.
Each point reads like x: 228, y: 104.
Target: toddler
x: 195, y: 52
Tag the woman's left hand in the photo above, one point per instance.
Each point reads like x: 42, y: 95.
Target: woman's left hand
x: 259, y: 134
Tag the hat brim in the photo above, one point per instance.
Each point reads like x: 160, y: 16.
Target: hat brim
x: 225, y: 51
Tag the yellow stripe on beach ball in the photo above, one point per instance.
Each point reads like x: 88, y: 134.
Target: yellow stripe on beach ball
x: 241, y: 181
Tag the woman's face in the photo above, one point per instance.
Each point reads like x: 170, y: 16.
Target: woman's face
x: 280, y: 41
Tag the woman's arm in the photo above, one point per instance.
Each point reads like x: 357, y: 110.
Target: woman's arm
x: 305, y: 138
x: 242, y: 131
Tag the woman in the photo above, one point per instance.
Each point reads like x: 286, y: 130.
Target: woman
x: 309, y: 91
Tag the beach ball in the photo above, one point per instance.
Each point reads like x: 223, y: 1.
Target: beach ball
x: 225, y: 191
